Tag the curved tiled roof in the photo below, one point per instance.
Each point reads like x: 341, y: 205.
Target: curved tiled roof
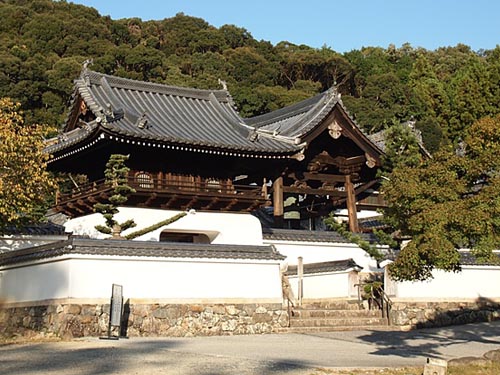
x: 36, y: 230
x: 323, y: 267
x: 297, y: 120
x: 139, y: 249
x: 298, y: 235
x: 202, y: 119
x: 168, y: 114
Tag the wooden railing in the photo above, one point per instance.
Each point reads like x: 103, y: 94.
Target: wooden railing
x: 201, y: 186
x: 377, y: 298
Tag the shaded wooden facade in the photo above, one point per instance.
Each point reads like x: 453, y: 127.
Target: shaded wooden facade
x: 189, y: 149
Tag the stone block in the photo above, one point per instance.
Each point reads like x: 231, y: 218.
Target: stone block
x: 196, y: 308
x: 231, y: 310
x: 229, y: 326
x: 435, y: 367
x: 261, y: 310
x: 493, y: 355
x: 73, y: 309
x: 474, y: 361
x: 262, y: 317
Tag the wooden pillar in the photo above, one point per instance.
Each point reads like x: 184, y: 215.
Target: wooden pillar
x: 264, y: 188
x: 278, y: 202
x: 351, y: 205
x: 159, y: 180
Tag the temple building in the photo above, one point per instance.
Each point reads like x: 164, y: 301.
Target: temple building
x: 229, y: 213
x: 190, y: 149
x: 230, y: 235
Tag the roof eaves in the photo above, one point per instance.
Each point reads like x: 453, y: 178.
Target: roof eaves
x: 65, y: 140
x: 147, y: 249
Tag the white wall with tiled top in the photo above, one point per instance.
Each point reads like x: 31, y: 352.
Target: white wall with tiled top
x: 472, y: 282
x: 90, y: 277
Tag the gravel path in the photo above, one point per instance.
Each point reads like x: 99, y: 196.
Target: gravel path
x: 292, y: 354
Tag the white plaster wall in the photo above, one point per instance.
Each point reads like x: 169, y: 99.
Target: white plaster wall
x: 87, y: 277
x: 221, y: 228
x: 314, y: 252
x: 471, y: 283
x: 324, y: 285
x: 35, y: 283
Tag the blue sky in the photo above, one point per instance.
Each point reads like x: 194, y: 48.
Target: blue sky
x: 342, y: 25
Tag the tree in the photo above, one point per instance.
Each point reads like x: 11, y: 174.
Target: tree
x: 449, y: 202
x: 25, y: 185
x: 116, y: 176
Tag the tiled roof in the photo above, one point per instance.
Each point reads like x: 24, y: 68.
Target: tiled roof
x: 140, y: 249
x: 322, y: 267
x: 298, y: 119
x: 155, y: 112
x: 467, y: 258
x: 201, y: 119
x: 274, y: 234
x: 42, y: 229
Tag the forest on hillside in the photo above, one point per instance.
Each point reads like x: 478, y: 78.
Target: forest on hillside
x: 43, y: 44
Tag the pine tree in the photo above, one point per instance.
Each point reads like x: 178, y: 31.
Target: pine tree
x: 116, y: 176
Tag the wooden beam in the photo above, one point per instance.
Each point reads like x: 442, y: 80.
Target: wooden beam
x: 299, y: 190
x: 365, y: 186
x: 150, y: 200
x: 212, y: 203
x: 257, y: 203
x: 75, y: 208
x: 230, y: 205
x: 323, y: 177
x: 351, y: 205
x: 191, y: 203
x: 84, y: 204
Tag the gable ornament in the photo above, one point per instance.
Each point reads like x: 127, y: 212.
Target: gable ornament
x: 335, y: 130
x: 299, y: 156
x: 370, y: 160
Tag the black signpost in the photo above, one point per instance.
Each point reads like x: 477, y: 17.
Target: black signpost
x: 115, y: 312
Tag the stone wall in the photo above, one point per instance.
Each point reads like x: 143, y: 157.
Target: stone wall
x: 410, y: 315
x: 78, y: 320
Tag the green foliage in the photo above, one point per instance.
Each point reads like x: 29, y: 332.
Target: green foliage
x: 153, y: 227
x: 402, y: 148
x: 341, y: 229
x: 116, y: 173
x: 44, y: 43
x: 446, y: 203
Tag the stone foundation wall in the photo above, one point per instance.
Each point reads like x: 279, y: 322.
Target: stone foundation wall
x: 77, y: 320
x: 437, y: 314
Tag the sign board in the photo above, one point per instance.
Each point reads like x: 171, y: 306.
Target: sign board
x: 115, y: 312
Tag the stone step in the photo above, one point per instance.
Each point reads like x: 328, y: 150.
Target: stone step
x: 332, y: 305
x: 338, y: 322
x: 323, y: 313
x: 338, y: 328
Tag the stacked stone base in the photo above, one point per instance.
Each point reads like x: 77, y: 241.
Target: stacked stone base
x: 78, y: 320
x: 410, y: 315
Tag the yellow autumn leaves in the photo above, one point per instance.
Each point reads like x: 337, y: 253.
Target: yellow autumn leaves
x: 25, y: 185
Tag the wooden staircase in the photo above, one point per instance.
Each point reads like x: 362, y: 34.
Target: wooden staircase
x: 324, y: 316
